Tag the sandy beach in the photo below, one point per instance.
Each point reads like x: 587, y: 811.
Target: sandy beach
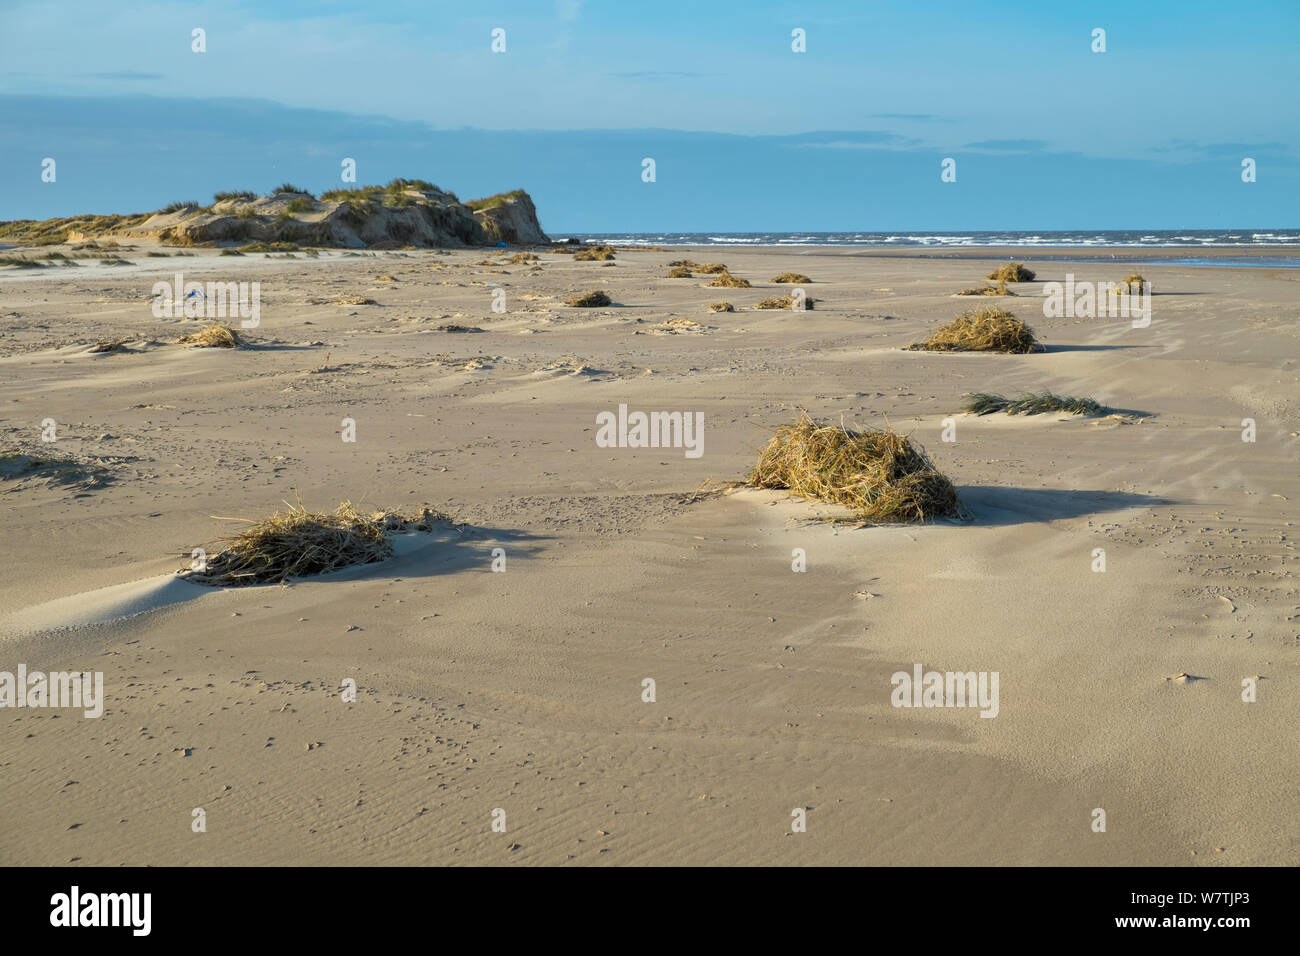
x: 479, y: 691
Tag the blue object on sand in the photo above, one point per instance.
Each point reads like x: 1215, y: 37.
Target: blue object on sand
x: 501, y: 245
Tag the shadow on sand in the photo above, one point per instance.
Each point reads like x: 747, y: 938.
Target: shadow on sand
x: 993, y: 506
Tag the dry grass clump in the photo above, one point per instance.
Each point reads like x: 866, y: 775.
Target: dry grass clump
x: 878, y: 474
x: 1132, y: 279
x: 590, y: 300
x: 675, y: 326
x: 519, y: 258
x: 679, y: 272
x: 792, y: 278
x: 727, y: 281
x: 270, y: 247
x: 722, y: 307
x: 983, y: 330
x: 457, y: 327
x: 984, y: 403
x: 216, y: 336
x: 999, y: 289
x: 711, y: 268
x: 594, y: 253
x: 685, y: 263
x: 109, y: 345
x: 1012, y: 272
x: 48, y: 232
x: 355, y: 300
x: 490, y: 202
x: 786, y: 302
x: 297, y: 543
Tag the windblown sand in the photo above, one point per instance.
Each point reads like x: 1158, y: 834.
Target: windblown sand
x: 522, y: 691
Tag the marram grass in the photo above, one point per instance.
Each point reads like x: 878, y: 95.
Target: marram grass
x: 297, y: 543
x: 879, y: 475
x: 786, y: 302
x: 213, y: 337
x: 725, y: 280
x: 590, y: 300
x: 999, y: 289
x: 1032, y: 403
x: 982, y: 330
x: 1012, y: 272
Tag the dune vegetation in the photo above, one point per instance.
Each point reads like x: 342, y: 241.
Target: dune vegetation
x: 216, y: 336
x: 1032, y: 403
x: 590, y: 300
x: 878, y: 474
x: 999, y: 289
x: 982, y: 330
x: 725, y: 280
x: 786, y: 302
x: 1012, y: 272
x: 297, y: 543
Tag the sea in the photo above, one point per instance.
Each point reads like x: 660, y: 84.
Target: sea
x: 1131, y: 245
x: 1103, y: 239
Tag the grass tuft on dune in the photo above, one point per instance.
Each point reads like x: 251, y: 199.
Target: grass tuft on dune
x: 1012, y: 272
x: 215, y: 336
x: 590, y: 300
x: 18, y: 262
x: 880, y: 475
x: 1132, y: 279
x: 786, y: 302
x: 1032, y: 403
x: 726, y: 280
x: 296, y: 543
x: 982, y: 330
x: 999, y: 289
x: 594, y: 253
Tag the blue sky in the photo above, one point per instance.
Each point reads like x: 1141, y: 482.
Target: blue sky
x: 746, y: 134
